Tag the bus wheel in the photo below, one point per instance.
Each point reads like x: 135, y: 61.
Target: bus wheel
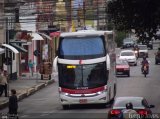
x: 109, y: 95
x: 115, y: 91
x: 65, y: 107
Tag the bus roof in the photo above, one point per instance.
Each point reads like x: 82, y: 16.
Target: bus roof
x: 85, y: 33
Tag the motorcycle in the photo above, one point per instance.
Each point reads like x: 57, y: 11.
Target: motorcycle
x: 145, y: 70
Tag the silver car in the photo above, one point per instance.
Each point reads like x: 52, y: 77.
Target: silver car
x: 140, y: 105
x: 143, y: 50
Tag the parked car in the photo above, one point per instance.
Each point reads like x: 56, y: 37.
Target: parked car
x: 157, y: 58
x: 122, y: 68
x: 149, y: 44
x: 143, y: 50
x: 140, y: 105
x: 127, y: 43
x: 129, y: 56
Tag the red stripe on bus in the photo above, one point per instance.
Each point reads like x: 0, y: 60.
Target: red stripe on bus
x: 82, y: 91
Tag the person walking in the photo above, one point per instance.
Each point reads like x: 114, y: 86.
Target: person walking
x: 30, y: 65
x: 3, y: 83
x: 1, y: 86
x: 13, y: 104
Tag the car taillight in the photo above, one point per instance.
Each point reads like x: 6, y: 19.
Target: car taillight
x: 142, y: 112
x: 115, y: 112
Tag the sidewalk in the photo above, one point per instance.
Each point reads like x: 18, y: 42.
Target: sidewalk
x: 25, y: 86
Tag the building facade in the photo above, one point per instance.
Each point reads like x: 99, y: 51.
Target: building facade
x: 2, y: 31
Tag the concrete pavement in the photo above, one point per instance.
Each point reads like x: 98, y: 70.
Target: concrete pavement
x: 25, y: 86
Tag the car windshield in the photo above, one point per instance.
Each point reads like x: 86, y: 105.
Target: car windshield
x: 79, y: 76
x: 127, y: 54
x: 121, y: 62
x: 142, y: 47
x: 137, y: 103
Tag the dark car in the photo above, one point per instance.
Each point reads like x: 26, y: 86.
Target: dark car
x: 140, y: 105
x: 157, y: 58
x: 148, y: 44
x: 128, y: 43
x: 122, y: 68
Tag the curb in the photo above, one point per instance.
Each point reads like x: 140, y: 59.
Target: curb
x: 28, y: 92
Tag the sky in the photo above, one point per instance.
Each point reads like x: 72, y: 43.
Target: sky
x: 76, y: 3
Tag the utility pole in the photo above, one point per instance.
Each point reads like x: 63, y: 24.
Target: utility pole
x: 97, y: 15
x: 84, y: 13
x: 70, y: 15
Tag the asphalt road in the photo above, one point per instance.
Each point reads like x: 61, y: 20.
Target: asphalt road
x: 45, y: 103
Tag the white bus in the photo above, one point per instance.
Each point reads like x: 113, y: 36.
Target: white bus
x: 86, y: 67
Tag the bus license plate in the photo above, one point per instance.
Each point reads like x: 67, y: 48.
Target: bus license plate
x: 83, y: 101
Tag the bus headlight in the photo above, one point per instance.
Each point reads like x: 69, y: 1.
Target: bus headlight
x: 100, y: 92
x: 66, y: 94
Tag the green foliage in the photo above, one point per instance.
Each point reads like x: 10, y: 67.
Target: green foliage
x: 141, y: 15
x: 120, y: 35
x: 110, y: 26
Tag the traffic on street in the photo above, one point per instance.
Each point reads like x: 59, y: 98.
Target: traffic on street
x: 46, y: 103
x: 79, y: 59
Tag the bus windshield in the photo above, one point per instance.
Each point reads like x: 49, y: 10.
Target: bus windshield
x: 80, y: 76
x: 81, y: 47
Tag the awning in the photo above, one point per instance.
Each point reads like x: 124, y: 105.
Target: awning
x: 45, y: 36
x: 36, y: 36
x: 17, y: 41
x: 1, y: 50
x: 11, y: 48
x: 19, y: 48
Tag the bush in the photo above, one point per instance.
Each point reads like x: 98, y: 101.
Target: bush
x: 120, y: 35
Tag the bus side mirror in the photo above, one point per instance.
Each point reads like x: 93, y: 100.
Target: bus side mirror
x: 108, y: 62
x: 55, y: 67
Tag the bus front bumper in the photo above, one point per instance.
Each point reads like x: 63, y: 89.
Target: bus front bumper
x: 96, y: 98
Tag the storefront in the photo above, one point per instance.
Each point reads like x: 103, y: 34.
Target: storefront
x: 1, y: 57
x: 54, y: 42
x: 11, y: 61
x: 32, y: 43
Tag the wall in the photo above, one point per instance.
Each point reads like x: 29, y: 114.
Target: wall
x: 2, y: 26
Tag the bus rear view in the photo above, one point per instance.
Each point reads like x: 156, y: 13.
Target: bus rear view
x: 82, y: 68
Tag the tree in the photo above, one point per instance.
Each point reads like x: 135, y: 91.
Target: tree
x: 141, y: 16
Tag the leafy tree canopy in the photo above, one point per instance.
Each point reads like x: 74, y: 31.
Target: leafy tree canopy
x: 142, y: 16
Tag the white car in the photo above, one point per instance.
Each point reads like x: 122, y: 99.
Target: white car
x: 128, y: 55
x: 143, y: 50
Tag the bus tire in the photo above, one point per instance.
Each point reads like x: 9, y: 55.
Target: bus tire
x: 109, y: 94
x: 114, y: 95
x: 115, y: 90
x: 65, y: 107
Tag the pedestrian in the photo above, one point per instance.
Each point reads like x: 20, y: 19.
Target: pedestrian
x: 3, y: 83
x: 30, y: 65
x: 1, y: 86
x: 13, y: 104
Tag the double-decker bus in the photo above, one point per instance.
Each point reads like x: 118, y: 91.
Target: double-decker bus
x: 86, y: 67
